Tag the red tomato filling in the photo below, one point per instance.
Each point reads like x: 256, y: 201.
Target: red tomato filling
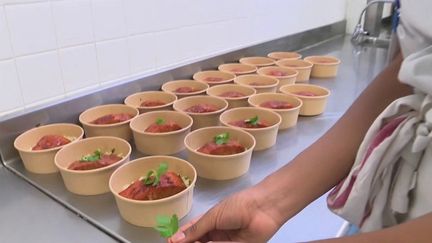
x: 104, y: 161
x: 202, y: 108
x: 277, y: 73
x: 170, y: 184
x: 213, y: 79
x: 276, y: 104
x: 160, y: 128
x: 112, y: 118
x: 244, y: 124
x: 151, y: 103
x: 232, y: 94
x: 50, y: 141
x: 231, y: 147
x: 185, y: 90
x: 305, y: 93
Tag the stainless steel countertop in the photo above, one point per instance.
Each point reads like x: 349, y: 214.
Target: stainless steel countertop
x: 46, y: 221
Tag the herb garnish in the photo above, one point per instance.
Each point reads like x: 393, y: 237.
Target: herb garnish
x: 253, y: 121
x: 166, y: 225
x: 221, y: 138
x: 153, y: 176
x: 95, y: 156
x: 160, y: 121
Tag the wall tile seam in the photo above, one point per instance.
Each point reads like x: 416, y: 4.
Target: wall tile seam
x: 23, y: 2
x: 14, y: 60
x: 56, y: 34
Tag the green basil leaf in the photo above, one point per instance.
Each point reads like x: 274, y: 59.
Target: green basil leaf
x: 95, y: 156
x: 221, y: 138
x: 160, y: 121
x: 253, y: 121
x: 167, y: 226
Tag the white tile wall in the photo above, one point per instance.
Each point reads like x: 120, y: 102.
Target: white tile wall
x: 142, y: 52
x: 79, y: 67
x: 109, y: 19
x: 141, y: 16
x: 5, y: 44
x: 32, y: 27
x: 52, y: 49
x: 113, y: 59
x: 11, y: 97
x: 73, y: 22
x: 40, y: 77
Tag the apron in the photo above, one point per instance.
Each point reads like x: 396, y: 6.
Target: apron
x: 390, y: 181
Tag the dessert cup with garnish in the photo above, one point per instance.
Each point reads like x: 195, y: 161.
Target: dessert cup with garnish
x: 261, y: 123
x: 151, y: 186
x: 87, y: 165
x: 161, y: 132
x: 220, y: 153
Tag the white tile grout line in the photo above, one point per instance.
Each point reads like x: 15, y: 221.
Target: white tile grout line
x: 14, y: 59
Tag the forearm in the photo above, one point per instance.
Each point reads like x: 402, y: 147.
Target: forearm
x: 321, y: 166
x: 417, y: 230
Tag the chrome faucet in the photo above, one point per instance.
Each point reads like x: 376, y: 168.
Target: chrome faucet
x: 361, y: 36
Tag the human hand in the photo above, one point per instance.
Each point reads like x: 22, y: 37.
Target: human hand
x: 239, y: 217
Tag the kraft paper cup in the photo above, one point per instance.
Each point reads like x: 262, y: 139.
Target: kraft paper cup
x: 144, y: 213
x: 172, y: 86
x: 120, y: 130
x: 312, y: 105
x: 303, y: 67
x: 260, y: 83
x: 278, y: 55
x: 42, y: 161
x: 237, y: 68
x: 90, y: 182
x: 160, y: 143
x: 216, y: 91
x: 204, y: 75
x: 257, y: 61
x: 219, y: 167
x: 289, y: 78
x: 264, y: 137
x: 136, y: 99
x: 202, y: 119
x: 323, y: 66
x: 289, y: 116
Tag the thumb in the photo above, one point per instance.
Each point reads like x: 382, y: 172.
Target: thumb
x: 195, y: 230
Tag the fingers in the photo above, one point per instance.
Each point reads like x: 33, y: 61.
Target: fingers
x: 196, y: 229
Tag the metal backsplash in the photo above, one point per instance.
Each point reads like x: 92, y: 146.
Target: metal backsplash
x: 69, y: 110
